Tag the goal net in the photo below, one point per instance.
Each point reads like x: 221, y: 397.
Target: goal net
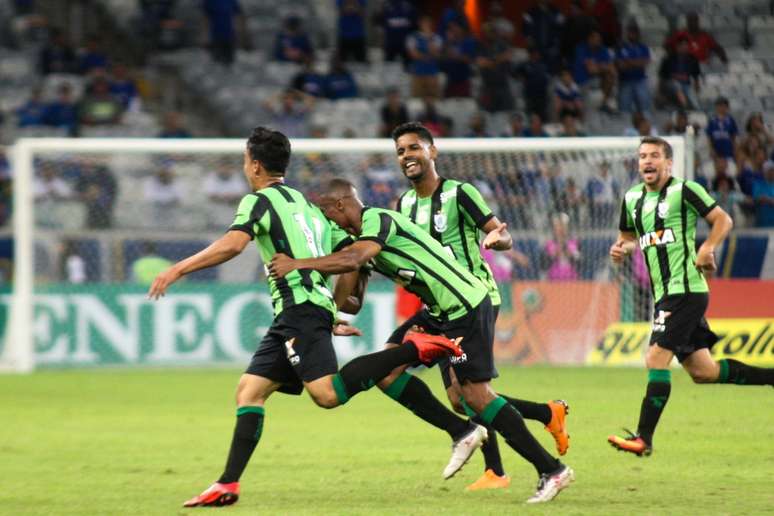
x: 94, y: 220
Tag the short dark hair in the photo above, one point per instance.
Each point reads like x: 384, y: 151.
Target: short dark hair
x: 655, y: 140
x: 413, y: 128
x: 337, y: 186
x: 271, y: 148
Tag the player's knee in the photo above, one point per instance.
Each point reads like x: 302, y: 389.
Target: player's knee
x: 703, y: 376
x: 326, y: 399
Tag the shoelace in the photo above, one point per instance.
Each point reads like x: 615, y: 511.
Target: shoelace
x: 631, y: 435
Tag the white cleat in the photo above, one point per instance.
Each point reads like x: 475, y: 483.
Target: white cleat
x: 549, y: 485
x: 463, y: 448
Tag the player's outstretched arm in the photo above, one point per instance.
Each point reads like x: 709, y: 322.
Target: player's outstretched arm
x: 623, y: 246
x: 497, y: 235
x: 221, y: 250
x: 721, y: 223
x: 349, y: 259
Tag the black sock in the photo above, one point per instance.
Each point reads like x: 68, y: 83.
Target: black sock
x: 247, y: 433
x: 530, y: 410
x: 733, y: 371
x: 656, y: 397
x: 415, y: 395
x: 362, y: 373
x: 490, y: 448
x: 507, y: 420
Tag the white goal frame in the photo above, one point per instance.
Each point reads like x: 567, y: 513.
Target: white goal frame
x: 18, y: 350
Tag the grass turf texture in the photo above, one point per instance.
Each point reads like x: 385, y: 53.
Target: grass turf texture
x: 143, y: 441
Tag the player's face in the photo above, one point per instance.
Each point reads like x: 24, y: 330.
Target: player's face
x: 414, y: 156
x: 249, y: 170
x: 654, y: 166
x: 335, y: 209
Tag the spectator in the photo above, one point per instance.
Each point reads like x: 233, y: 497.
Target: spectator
x: 454, y: 14
x: 398, y: 20
x: 220, y: 15
x: 224, y: 186
x: 632, y: 59
x: 678, y: 124
x: 594, y: 68
x: 393, y: 112
x: 503, y: 27
x: 32, y: 113
x: 438, y: 124
x: 57, y: 56
x: 679, y: 78
x: 339, y: 83
x: 751, y: 173
x: 292, y: 43
x: 6, y: 183
x: 576, y: 30
x: 602, y: 193
x: 567, y: 96
x: 290, y: 112
x: 535, y: 129
x: 163, y: 194
x: 727, y: 195
x: 763, y: 197
x: 721, y: 168
x: 722, y: 131
x: 561, y: 254
x: 605, y: 15
x: 641, y: 126
x: 49, y: 185
x: 149, y: 264
x: 380, y: 182
x: 424, y: 49
x: 309, y: 80
x: 98, y: 189
x: 92, y: 57
x: 477, y: 126
x: 159, y: 28
x: 352, y: 33
x: 173, y: 126
x: 99, y: 107
x: 494, y: 65
x: 542, y: 26
x: 535, y: 78
x: 72, y: 265
x: 756, y: 129
x: 570, y: 126
x: 459, y: 52
x: 63, y: 112
x: 700, y: 42
x: 515, y: 125
x: 123, y: 87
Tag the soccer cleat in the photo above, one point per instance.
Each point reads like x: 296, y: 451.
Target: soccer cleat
x: 633, y: 443
x: 463, y: 448
x: 550, y: 484
x: 556, y: 427
x: 490, y: 480
x: 217, y: 495
x: 429, y: 347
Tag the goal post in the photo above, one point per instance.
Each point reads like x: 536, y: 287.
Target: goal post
x: 65, y: 313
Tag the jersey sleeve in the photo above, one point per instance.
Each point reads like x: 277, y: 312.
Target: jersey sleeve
x: 697, y: 198
x: 378, y: 227
x: 471, y: 200
x: 251, y: 209
x: 625, y: 223
x: 339, y: 238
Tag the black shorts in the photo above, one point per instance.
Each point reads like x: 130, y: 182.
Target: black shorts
x: 311, y: 355
x: 679, y: 324
x: 477, y: 331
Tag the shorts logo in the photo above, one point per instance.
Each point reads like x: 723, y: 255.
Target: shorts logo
x: 460, y: 359
x: 293, y: 358
x: 659, y: 323
x: 439, y: 221
x: 660, y: 237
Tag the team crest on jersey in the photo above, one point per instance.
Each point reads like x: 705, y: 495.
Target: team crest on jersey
x: 660, y: 237
x: 663, y: 209
x: 439, y: 221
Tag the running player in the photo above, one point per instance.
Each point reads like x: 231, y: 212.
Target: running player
x: 662, y: 212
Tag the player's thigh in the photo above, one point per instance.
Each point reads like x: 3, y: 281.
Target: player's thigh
x: 701, y: 366
x: 253, y: 390
x: 658, y: 357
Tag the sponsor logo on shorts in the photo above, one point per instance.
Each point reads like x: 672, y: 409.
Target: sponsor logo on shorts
x: 293, y: 357
x: 659, y: 323
x: 460, y: 359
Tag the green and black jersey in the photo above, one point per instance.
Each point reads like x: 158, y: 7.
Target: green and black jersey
x: 281, y: 220
x: 665, y: 223
x: 420, y: 264
x: 453, y: 216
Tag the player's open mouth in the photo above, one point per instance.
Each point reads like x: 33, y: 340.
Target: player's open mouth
x: 410, y: 165
x: 649, y: 170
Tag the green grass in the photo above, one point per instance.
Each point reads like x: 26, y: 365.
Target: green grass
x: 141, y: 442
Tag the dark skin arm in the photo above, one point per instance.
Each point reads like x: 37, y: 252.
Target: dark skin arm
x: 497, y: 235
x: 349, y: 291
x: 349, y: 259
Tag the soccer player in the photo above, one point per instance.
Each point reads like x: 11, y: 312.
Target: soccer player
x: 661, y: 212
x: 458, y: 305
x: 453, y: 213
x: 297, y: 351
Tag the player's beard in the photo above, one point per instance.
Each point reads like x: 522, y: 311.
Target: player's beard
x: 656, y: 176
x: 418, y: 173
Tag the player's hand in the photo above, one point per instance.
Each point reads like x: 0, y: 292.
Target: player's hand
x: 705, y: 260
x: 494, y: 236
x: 281, y: 265
x: 618, y: 252
x: 343, y: 329
x: 160, y: 284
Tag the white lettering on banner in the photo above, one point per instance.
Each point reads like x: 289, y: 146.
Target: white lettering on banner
x: 227, y: 325
x: 91, y: 313
x: 51, y: 309
x: 169, y: 324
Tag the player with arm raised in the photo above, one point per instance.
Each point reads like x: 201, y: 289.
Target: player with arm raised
x: 661, y: 215
x: 296, y: 352
x: 458, y: 306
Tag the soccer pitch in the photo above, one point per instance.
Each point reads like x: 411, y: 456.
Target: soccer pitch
x: 143, y: 441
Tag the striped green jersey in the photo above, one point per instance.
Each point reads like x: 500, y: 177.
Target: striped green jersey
x: 281, y: 220
x: 453, y: 216
x: 420, y: 264
x: 665, y: 223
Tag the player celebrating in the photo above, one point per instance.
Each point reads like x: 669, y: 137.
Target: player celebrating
x: 662, y: 212
x: 458, y: 306
x: 453, y: 213
x: 297, y: 350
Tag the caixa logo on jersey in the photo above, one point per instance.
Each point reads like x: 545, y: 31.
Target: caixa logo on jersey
x: 660, y: 237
